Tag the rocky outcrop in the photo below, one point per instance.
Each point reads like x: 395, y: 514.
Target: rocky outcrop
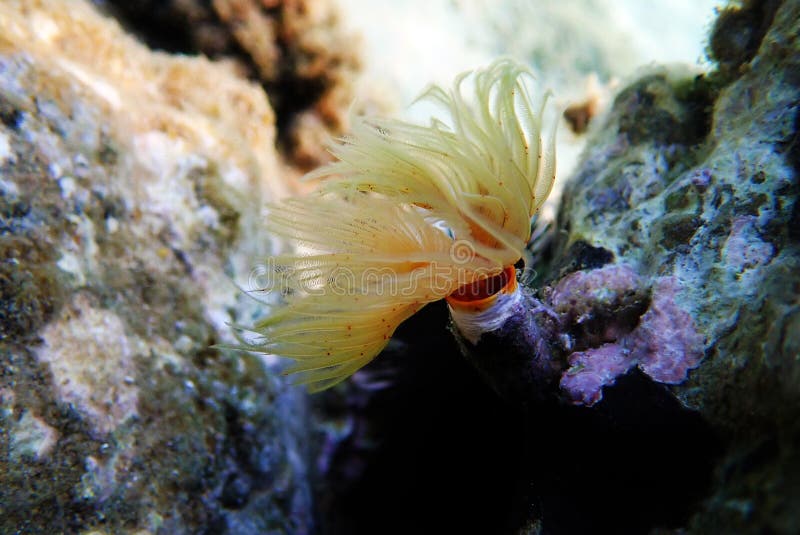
x: 692, y: 182
x: 130, y: 195
x: 296, y: 49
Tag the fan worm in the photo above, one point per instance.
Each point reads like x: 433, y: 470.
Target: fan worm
x: 406, y: 215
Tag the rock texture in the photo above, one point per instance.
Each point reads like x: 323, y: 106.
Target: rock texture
x: 692, y: 182
x: 656, y: 372
x: 297, y: 50
x: 130, y: 192
x: 669, y: 307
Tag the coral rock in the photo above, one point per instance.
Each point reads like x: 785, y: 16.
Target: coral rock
x: 130, y: 180
x: 297, y: 49
x: 692, y: 182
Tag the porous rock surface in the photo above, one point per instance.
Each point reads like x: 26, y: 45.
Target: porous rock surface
x: 690, y: 187
x: 297, y: 49
x: 128, y: 183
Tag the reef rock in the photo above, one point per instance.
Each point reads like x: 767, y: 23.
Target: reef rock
x: 297, y: 49
x: 130, y: 189
x: 690, y: 187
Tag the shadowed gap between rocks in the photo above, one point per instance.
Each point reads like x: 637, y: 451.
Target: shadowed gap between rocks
x: 447, y: 455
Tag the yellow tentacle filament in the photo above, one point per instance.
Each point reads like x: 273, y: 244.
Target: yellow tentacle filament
x: 407, y: 215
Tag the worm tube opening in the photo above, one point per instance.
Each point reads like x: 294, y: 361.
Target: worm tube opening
x: 480, y: 294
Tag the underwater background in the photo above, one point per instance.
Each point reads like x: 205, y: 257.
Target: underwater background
x: 648, y: 382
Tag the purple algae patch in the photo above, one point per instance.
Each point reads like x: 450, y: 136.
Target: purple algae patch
x: 593, y: 369
x: 582, y: 291
x: 666, y: 343
x: 665, y: 346
x: 745, y: 249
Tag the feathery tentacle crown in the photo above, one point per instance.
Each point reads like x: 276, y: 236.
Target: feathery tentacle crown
x: 406, y: 216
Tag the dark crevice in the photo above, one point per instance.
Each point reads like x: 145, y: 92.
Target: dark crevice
x: 9, y: 115
x: 666, y: 112
x: 291, y: 95
x: 160, y: 25
x: 636, y: 462
x: 584, y: 256
x: 607, y: 324
x: 737, y: 34
x: 438, y: 452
